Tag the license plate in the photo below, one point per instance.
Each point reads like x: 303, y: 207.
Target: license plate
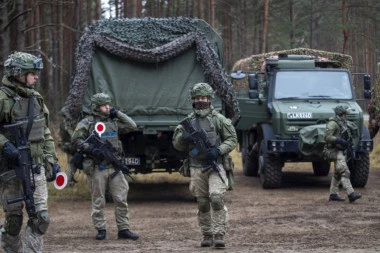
x: 132, y: 161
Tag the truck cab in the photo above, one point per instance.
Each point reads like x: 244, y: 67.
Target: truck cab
x: 284, y: 113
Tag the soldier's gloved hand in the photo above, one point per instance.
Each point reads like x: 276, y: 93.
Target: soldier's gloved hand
x: 11, y: 152
x: 187, y: 137
x: 56, y: 168
x: 342, y: 142
x: 212, y: 154
x: 113, y: 113
x: 98, y: 154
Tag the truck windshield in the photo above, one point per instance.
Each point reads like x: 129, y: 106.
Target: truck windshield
x: 312, y: 84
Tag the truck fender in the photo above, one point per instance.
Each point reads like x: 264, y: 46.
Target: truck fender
x: 365, y: 133
x: 267, y: 134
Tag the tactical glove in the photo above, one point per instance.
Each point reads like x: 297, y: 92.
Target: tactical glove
x: 55, y: 169
x: 113, y: 113
x: 342, y: 142
x: 187, y: 137
x: 11, y: 152
x: 212, y: 154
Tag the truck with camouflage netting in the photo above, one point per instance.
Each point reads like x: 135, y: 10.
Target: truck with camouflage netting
x: 285, y: 100
x: 147, y: 66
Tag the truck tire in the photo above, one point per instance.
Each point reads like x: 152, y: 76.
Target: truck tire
x: 250, y: 163
x: 270, y: 170
x: 359, y: 174
x: 321, y: 168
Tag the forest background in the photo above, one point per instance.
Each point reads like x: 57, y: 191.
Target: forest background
x: 51, y: 29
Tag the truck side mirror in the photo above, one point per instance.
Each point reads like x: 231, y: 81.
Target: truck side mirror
x: 367, y: 82
x: 252, y: 82
x: 367, y: 94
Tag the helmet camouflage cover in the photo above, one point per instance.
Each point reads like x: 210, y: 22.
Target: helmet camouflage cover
x: 100, y: 99
x: 202, y: 90
x: 340, y: 109
x: 20, y: 63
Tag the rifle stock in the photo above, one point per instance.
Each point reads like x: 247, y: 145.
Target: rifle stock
x: 24, y: 170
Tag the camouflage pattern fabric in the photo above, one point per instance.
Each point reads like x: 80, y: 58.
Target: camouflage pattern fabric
x: 203, y: 185
x: 254, y: 63
x: 148, y: 40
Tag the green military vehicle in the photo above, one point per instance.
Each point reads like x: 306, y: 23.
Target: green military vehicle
x: 147, y: 66
x: 285, y: 108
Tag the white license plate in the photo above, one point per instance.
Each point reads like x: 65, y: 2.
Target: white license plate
x: 132, y: 161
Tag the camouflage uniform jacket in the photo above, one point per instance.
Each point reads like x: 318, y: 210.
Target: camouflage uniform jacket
x: 10, y: 95
x: 223, y: 127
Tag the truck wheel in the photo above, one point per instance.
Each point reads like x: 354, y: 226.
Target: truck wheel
x: 360, y: 172
x: 321, y: 168
x: 270, y: 170
x: 250, y: 163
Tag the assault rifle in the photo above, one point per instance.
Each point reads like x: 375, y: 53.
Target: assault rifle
x: 24, y: 169
x: 351, y: 154
x: 103, y: 149
x: 202, y: 145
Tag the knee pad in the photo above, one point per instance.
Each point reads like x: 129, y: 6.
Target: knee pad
x: 203, y: 204
x: 346, y: 174
x: 13, y: 224
x: 41, y: 223
x: 217, y: 202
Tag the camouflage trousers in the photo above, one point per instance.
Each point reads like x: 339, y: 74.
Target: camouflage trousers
x: 203, y: 185
x: 13, y: 189
x: 341, y: 174
x: 118, y: 187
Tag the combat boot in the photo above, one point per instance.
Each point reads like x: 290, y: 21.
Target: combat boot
x: 101, y: 234
x: 335, y: 197
x: 354, y: 196
x: 127, y: 234
x: 207, y: 241
x: 219, y: 241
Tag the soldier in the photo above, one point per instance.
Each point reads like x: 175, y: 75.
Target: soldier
x: 337, y: 137
x: 99, y: 174
x: 208, y: 187
x: 20, y: 102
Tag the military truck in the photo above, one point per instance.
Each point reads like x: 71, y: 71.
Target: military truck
x: 285, y: 107
x: 147, y: 66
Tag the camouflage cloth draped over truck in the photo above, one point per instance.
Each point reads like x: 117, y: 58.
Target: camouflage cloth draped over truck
x: 147, y: 67
x: 285, y: 104
x: 374, y: 106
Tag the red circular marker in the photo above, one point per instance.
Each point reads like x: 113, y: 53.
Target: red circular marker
x: 100, y: 128
x: 60, y: 180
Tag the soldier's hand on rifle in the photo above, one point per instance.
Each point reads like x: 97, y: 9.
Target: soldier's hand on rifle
x: 11, y: 152
x: 212, y: 154
x: 113, y: 113
x: 342, y: 142
x: 187, y: 137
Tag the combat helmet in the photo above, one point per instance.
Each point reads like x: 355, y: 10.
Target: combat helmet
x: 340, y: 109
x: 20, y: 63
x: 203, y: 90
x: 99, y: 99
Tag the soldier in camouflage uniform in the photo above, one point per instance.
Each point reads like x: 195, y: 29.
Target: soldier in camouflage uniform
x: 18, y: 99
x: 337, y: 137
x: 208, y: 187
x: 99, y: 174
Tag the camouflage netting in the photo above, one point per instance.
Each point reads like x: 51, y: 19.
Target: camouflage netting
x: 374, y: 106
x: 148, y: 40
x: 255, y: 62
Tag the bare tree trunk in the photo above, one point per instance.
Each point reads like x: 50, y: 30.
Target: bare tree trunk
x: 200, y: 9
x: 265, y: 26
x: 344, y: 25
x: 98, y: 8
x: 212, y: 12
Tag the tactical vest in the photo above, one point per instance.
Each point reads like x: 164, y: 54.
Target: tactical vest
x: 110, y: 133
x: 344, y: 132
x: 19, y: 113
x: 208, y: 125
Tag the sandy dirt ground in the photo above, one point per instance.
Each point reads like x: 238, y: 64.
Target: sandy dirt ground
x: 296, y: 218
